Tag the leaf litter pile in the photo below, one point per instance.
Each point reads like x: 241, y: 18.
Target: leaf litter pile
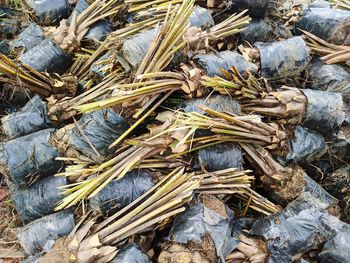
x: 174, y: 131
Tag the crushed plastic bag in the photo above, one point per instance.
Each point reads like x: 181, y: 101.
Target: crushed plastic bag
x: 131, y: 253
x: 31, y: 118
x: 286, y: 58
x: 47, y: 56
x: 212, y: 63
x: 119, y: 193
x: 27, y: 157
x: 8, y: 28
x: 39, y: 199
x: 36, y: 235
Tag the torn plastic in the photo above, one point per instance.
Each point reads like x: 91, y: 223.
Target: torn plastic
x: 284, y: 58
x: 336, y: 249
x: 263, y: 30
x: 36, y: 235
x: 48, y: 12
x: 27, y: 157
x: 131, y: 253
x: 199, y: 221
x: 332, y: 78
x: 212, y: 63
x: 119, y: 193
x: 217, y: 102
x: 257, y: 8
x: 300, y: 227
x: 324, y: 112
x: 307, y: 146
x: 98, y: 129
x: 332, y: 25
x: 221, y: 156
x: 39, y: 199
x: 47, y: 56
x: 30, y: 37
x: 31, y: 118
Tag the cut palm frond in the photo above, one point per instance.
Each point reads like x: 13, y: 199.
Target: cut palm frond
x: 242, y: 88
x: 341, y: 4
x: 68, y: 37
x: 286, y: 183
x: 43, y: 84
x: 155, y: 208
x: 330, y: 53
x: 159, y: 55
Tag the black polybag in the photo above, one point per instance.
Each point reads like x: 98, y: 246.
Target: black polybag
x: 8, y: 28
x: 264, y: 30
x: 284, y: 58
x: 39, y: 199
x: 97, y: 31
x: 6, y: 12
x: 135, y: 48
x: 5, y: 47
x: 31, y: 118
x: 201, y: 17
x: 336, y: 249
x: 30, y: 37
x: 332, y: 25
x: 217, y: 102
x: 307, y: 146
x: 300, y: 227
x: 324, y: 112
x: 48, y: 12
x: 131, y: 253
x: 257, y: 8
x: 101, y: 128
x: 15, y: 95
x: 199, y: 221
x: 119, y: 193
x: 332, y: 78
x: 29, y: 156
x: 212, y: 63
x: 47, y: 56
x: 35, y: 236
x: 221, y: 156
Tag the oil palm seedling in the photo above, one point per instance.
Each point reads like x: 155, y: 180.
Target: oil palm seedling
x: 172, y: 139
x: 287, y: 105
x: 43, y: 84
